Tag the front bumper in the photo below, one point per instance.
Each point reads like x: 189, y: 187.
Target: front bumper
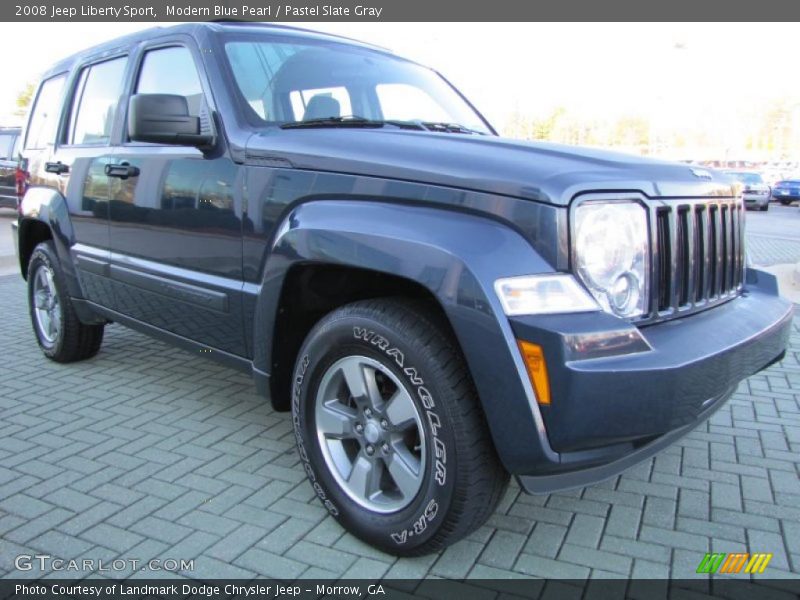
x: 620, y: 393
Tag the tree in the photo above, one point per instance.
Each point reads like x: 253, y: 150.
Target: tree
x: 24, y: 100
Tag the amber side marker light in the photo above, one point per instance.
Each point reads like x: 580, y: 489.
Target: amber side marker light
x: 537, y: 370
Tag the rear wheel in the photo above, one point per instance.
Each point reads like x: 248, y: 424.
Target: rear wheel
x: 390, y: 429
x: 59, y: 332
x: 785, y: 201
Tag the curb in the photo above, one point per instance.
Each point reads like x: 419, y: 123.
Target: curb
x: 788, y: 276
x: 8, y: 265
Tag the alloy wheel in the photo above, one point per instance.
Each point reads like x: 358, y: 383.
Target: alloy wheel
x: 370, y: 433
x: 46, y: 305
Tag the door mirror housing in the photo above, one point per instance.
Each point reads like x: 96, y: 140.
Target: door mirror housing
x: 164, y: 119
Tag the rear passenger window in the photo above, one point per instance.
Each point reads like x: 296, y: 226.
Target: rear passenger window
x: 95, y: 102
x: 46, y: 110
x: 172, y: 71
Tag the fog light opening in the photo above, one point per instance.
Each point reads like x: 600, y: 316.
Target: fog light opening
x: 533, y: 355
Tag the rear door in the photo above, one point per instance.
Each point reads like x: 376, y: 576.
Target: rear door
x: 77, y: 163
x: 176, y: 216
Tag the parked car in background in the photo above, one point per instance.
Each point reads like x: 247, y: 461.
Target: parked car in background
x: 787, y: 190
x: 755, y: 191
x: 9, y: 153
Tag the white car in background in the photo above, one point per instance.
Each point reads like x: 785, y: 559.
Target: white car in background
x: 755, y: 192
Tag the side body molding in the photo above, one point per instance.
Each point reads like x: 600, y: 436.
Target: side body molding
x: 456, y: 256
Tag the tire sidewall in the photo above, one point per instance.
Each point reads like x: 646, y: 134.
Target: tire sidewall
x: 417, y: 523
x: 42, y: 257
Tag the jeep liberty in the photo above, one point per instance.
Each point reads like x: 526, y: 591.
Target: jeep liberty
x: 438, y: 308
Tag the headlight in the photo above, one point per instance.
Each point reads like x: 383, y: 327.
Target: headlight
x: 611, y: 255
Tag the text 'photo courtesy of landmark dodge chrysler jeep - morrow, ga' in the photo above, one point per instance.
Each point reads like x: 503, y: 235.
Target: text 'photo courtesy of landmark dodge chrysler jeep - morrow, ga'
x: 439, y: 308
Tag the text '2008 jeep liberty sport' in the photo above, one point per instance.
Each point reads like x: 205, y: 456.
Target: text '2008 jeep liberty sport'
x: 438, y: 307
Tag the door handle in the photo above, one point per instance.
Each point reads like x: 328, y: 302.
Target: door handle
x: 123, y: 170
x: 58, y: 168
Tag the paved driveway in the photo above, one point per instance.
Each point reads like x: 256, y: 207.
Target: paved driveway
x: 150, y: 452
x: 774, y: 236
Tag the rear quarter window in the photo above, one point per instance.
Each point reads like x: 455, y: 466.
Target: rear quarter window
x: 45, y: 114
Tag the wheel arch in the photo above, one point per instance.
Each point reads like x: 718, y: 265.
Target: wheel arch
x: 449, y: 259
x: 311, y: 290
x: 44, y: 216
x: 32, y: 232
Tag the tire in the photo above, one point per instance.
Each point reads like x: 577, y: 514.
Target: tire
x: 765, y: 208
x: 785, y: 202
x: 59, y: 332
x: 434, y: 475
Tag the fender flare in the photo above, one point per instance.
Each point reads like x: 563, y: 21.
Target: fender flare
x: 457, y: 257
x: 49, y: 207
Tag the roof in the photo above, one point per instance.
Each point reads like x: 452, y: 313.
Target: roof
x: 194, y: 29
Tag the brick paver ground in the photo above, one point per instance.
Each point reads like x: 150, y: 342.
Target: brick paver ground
x: 768, y: 251
x: 149, y: 452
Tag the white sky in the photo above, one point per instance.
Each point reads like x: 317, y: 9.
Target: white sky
x: 671, y: 71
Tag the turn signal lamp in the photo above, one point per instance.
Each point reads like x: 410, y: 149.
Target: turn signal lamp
x: 537, y: 370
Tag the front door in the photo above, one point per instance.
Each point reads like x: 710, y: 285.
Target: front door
x: 176, y: 220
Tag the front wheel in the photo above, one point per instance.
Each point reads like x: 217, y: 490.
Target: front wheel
x: 390, y: 430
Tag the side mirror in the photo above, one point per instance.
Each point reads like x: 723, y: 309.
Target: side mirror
x: 164, y: 119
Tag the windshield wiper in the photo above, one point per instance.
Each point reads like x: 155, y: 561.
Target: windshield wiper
x: 356, y: 121
x: 346, y: 121
x: 449, y: 128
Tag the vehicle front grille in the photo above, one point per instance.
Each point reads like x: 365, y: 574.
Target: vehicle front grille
x: 698, y: 258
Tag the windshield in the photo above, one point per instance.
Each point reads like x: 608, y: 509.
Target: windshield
x: 285, y: 82
x: 749, y: 178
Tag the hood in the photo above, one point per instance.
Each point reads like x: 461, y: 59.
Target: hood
x: 539, y: 171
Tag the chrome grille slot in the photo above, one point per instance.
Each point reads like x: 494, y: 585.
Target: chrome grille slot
x: 684, y: 255
x: 664, y: 260
x: 699, y: 254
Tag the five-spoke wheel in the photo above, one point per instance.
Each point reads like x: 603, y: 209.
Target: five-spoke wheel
x: 370, y: 433
x: 46, y: 305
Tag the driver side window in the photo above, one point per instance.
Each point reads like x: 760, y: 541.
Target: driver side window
x: 172, y: 71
